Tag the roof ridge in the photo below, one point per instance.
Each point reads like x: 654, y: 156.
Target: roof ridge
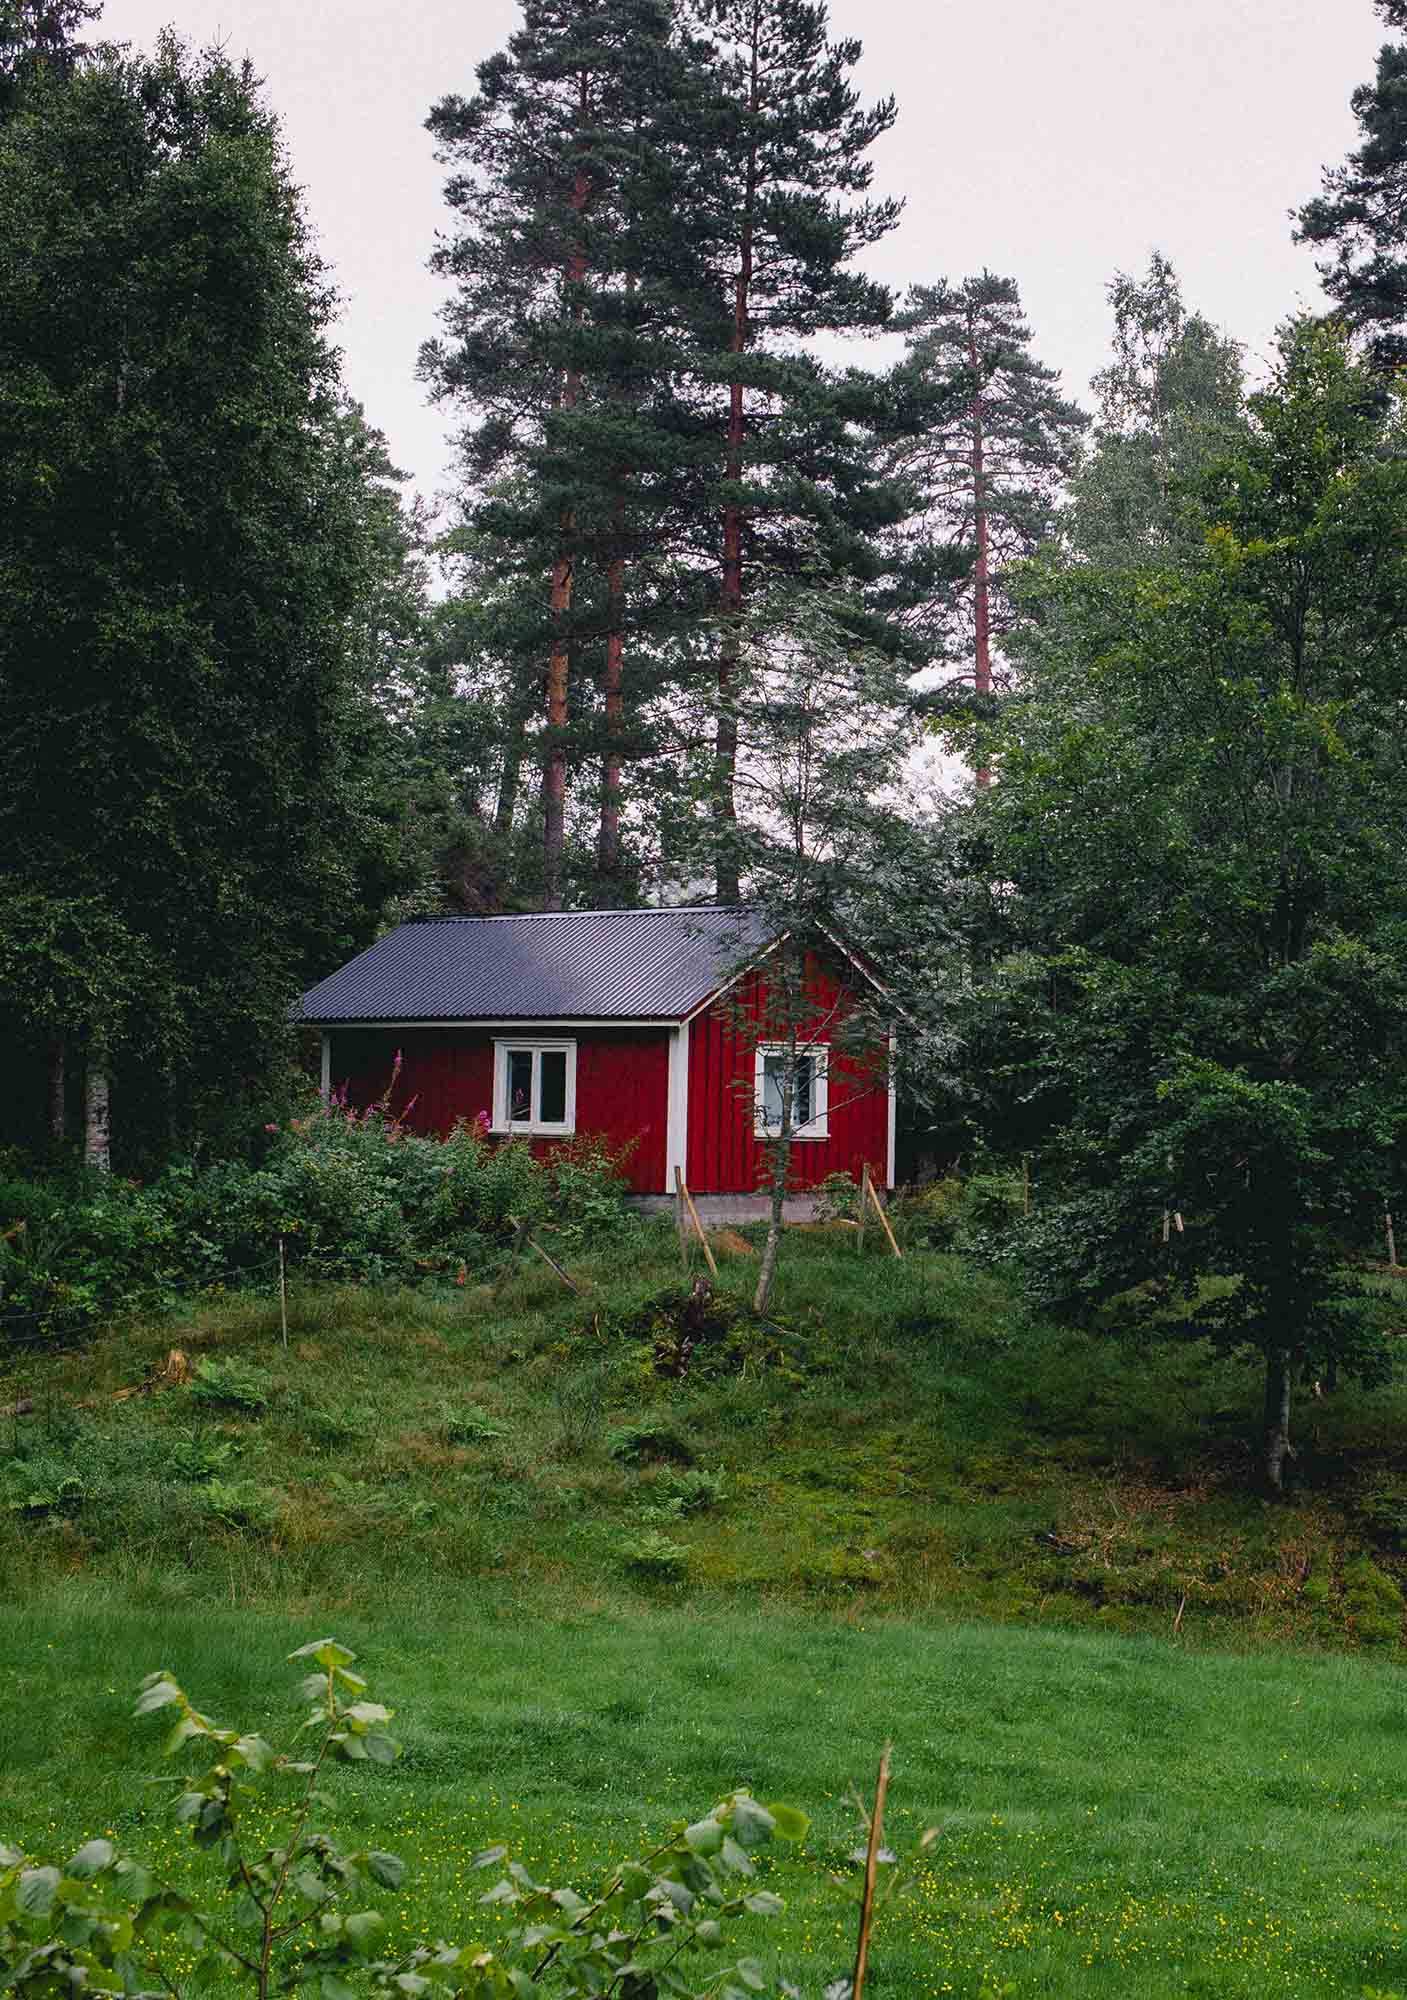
x: 542, y: 916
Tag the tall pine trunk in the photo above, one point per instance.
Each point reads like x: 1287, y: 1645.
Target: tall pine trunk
x: 97, y: 1136
x: 981, y: 586
x: 608, y: 839
x: 56, y: 1096
x: 727, y: 884
x: 554, y: 768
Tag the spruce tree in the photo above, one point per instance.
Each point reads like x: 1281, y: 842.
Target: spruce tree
x: 200, y: 565
x: 39, y: 37
x: 989, y: 474
x: 1359, y: 217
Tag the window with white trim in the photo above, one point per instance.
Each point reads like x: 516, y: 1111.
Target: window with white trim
x: 809, y: 1103
x: 534, y: 1087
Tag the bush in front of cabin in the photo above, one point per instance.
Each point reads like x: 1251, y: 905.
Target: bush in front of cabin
x: 355, y: 1197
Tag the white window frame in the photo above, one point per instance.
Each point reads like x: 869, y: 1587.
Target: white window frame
x: 817, y: 1125
x: 535, y: 1125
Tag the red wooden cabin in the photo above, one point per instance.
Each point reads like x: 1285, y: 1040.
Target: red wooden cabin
x: 646, y: 1029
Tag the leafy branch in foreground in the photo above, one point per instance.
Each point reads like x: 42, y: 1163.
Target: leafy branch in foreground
x: 101, y: 1926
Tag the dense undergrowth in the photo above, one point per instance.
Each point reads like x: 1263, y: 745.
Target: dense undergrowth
x: 901, y: 1438
x: 351, y: 1196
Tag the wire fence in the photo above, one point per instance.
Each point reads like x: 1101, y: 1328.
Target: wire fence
x: 49, y: 1327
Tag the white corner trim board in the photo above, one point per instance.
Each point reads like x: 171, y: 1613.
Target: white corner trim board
x: 676, y: 1143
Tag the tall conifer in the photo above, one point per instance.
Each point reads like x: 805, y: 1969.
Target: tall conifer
x: 988, y: 474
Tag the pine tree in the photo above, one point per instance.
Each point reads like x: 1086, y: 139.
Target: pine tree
x: 1359, y: 216
x: 569, y: 255
x: 781, y: 211
x: 988, y: 475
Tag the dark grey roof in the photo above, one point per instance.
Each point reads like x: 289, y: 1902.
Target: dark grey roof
x: 611, y: 965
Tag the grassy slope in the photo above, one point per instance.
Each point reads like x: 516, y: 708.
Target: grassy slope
x: 919, y: 1446
x: 1122, y: 1816
x: 1119, y: 1817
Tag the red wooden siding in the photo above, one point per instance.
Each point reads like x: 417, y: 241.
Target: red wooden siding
x: 724, y: 1155
x: 622, y: 1083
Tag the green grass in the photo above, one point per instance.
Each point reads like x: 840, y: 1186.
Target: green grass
x: 1119, y: 1817
x: 1171, y: 1759
x: 911, y: 1442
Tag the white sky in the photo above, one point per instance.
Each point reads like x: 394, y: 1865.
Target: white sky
x: 1053, y: 141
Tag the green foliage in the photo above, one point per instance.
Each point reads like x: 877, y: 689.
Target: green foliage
x: 647, y: 1443
x: 199, y: 773
x: 468, y: 1424
x: 654, y: 1555
x: 101, y: 1924
x: 354, y: 1196
x: 242, y: 1503
x: 1373, y: 1602
x: 232, y: 1385
x: 1201, y: 1012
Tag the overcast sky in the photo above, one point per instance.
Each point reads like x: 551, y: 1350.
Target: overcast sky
x: 1052, y: 143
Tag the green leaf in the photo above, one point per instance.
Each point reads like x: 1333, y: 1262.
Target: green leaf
x: 387, y: 1869
x: 10, y: 1857
x: 487, y: 1857
x: 763, y: 1903
x: 333, y: 1988
x: 160, y: 1693
x: 411, y: 1983
x: 752, y: 1824
x: 382, y: 1749
x: 789, y: 1823
x: 751, y: 1974
x: 35, y: 1891
x: 254, y: 1753
x: 363, y: 1925
x: 705, y: 1836
x: 327, y: 1652
x: 90, y: 1860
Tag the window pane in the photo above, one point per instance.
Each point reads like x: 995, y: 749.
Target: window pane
x: 773, y: 1068
x: 801, y: 1092
x: 552, y: 1109
x: 520, y: 1086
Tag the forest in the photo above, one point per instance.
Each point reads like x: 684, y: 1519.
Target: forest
x: 762, y: 585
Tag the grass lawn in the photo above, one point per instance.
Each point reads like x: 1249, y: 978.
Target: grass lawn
x: 605, y: 1580
x: 1120, y: 1817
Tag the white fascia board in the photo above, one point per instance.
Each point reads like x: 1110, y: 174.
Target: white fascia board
x: 326, y: 1065
x: 729, y: 984
x: 554, y: 1024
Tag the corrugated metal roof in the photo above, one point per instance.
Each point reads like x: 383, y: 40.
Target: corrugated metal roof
x: 571, y: 965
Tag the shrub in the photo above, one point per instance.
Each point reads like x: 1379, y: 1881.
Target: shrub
x: 694, y: 1491
x: 101, y: 1924
x: 354, y: 1196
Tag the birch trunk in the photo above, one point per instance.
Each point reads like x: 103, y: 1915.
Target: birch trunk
x: 97, y: 1151
x: 781, y: 1173
x: 1277, y: 1416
